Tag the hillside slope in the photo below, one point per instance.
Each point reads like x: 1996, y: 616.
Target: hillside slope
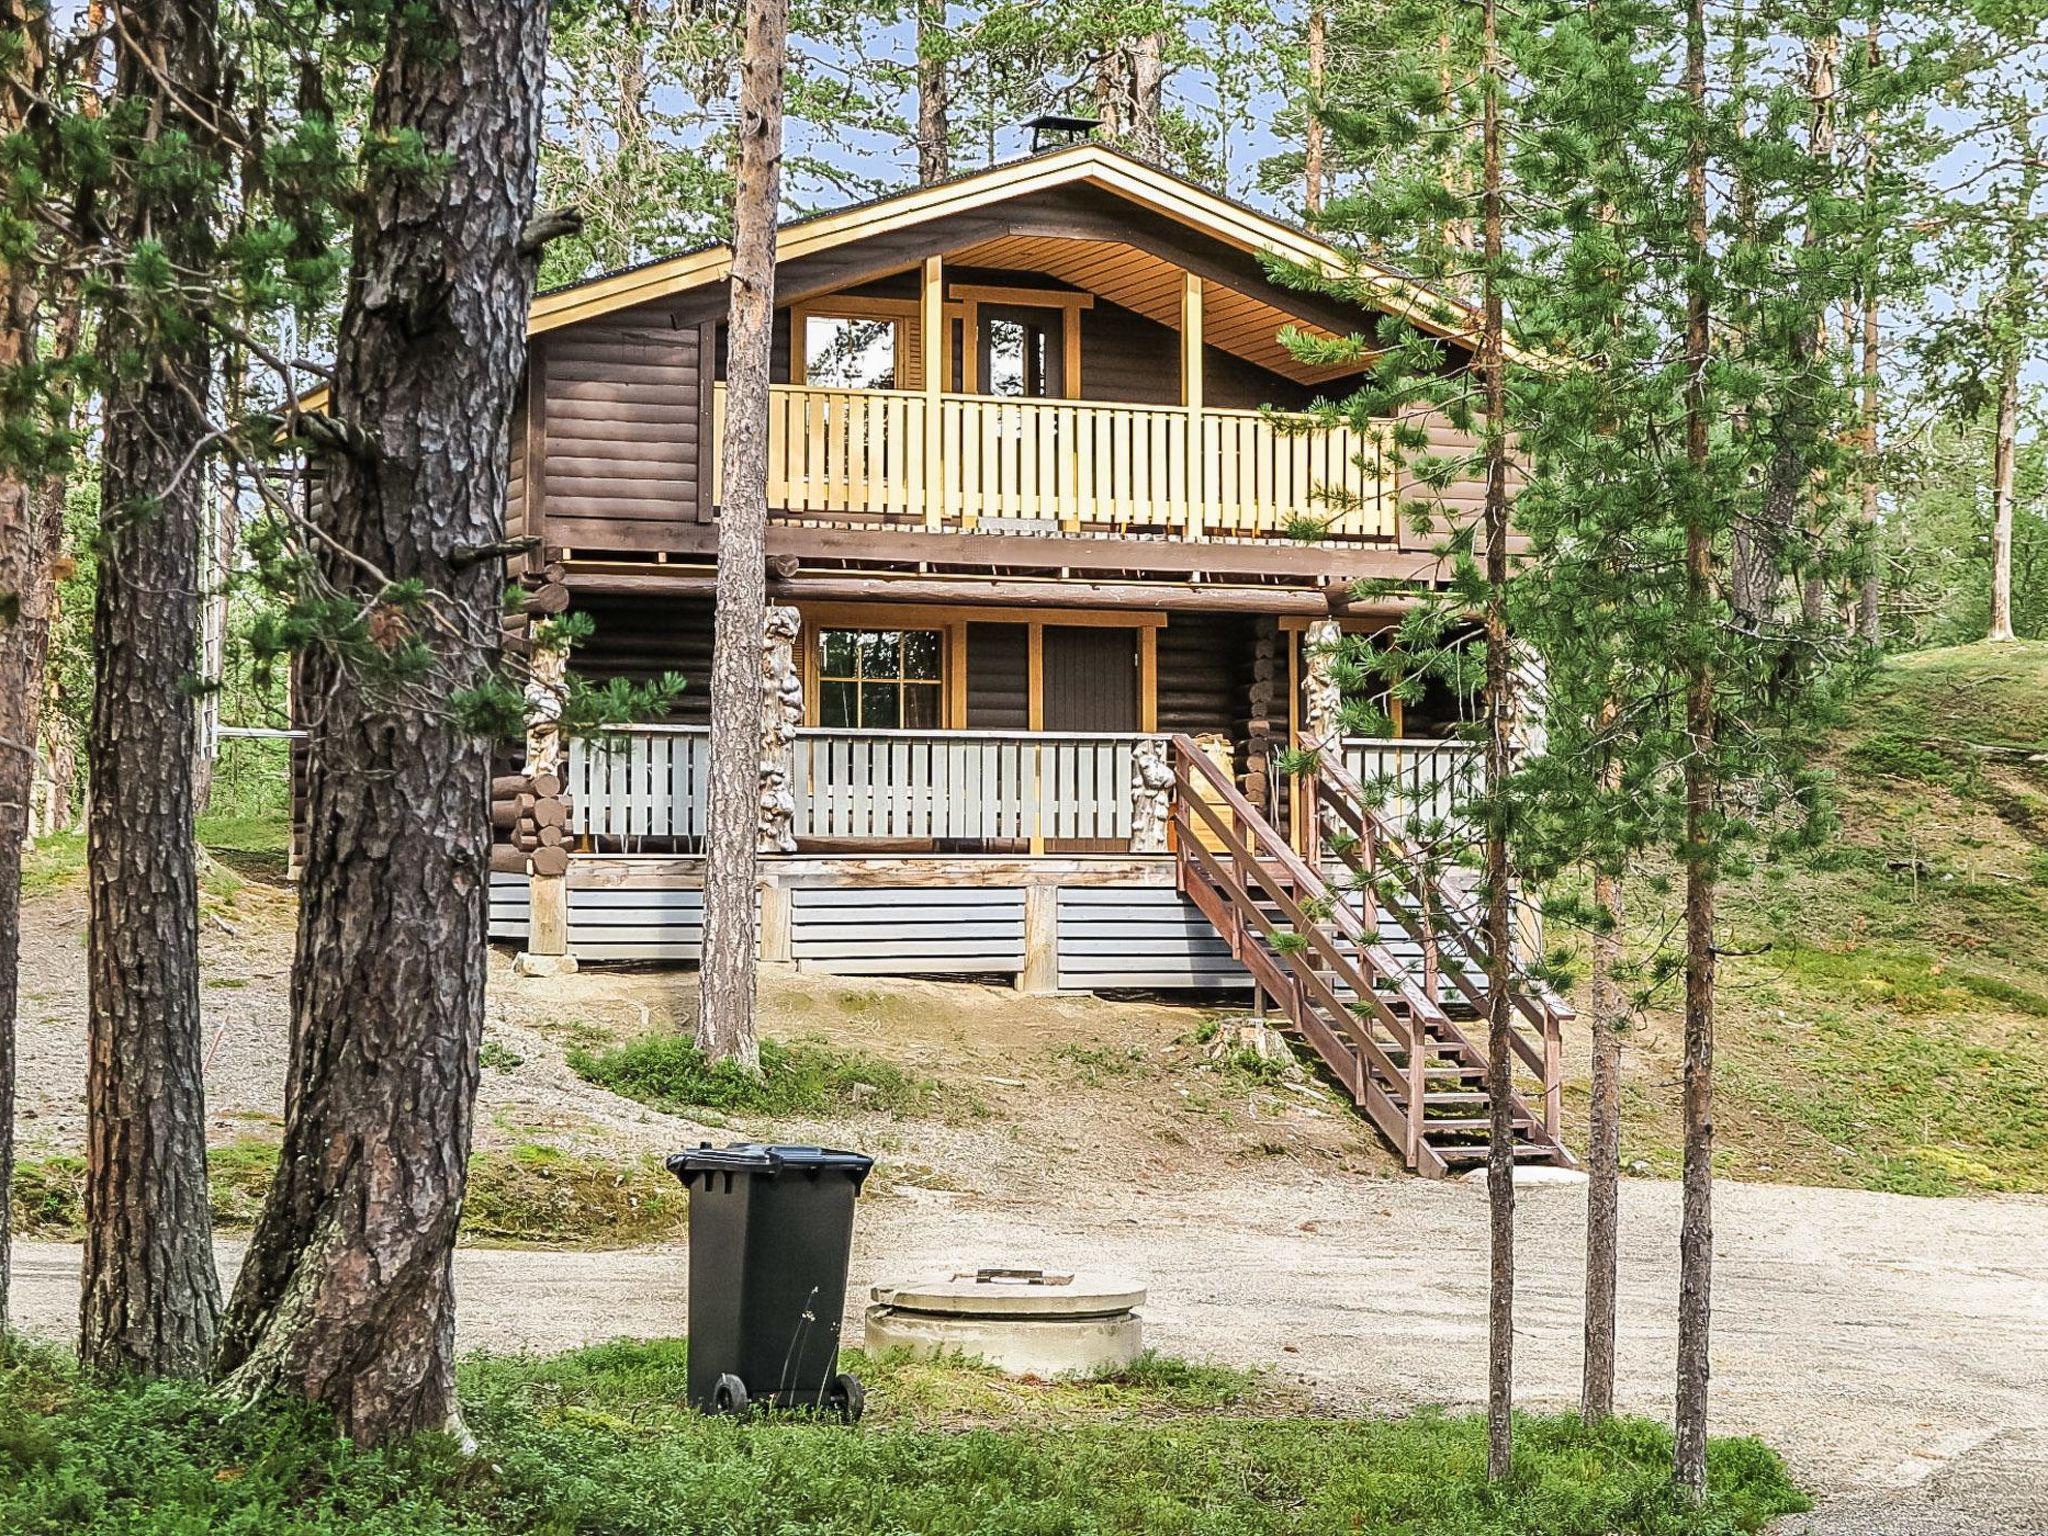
x: 1884, y: 1016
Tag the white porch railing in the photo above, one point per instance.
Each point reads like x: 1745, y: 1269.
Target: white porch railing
x: 1422, y: 780
x: 649, y: 781
x: 1065, y: 464
x: 652, y: 781
x: 995, y: 786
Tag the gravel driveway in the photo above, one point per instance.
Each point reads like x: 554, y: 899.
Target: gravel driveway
x: 1895, y: 1349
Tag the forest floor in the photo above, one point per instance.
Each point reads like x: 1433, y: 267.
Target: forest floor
x: 1884, y: 1032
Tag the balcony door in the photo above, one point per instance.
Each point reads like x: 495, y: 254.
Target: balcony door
x: 1021, y: 351
x: 1090, y: 679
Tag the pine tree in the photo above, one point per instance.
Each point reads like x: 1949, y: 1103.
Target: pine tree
x: 726, y: 1029
x: 346, y: 1295
x: 151, y: 1300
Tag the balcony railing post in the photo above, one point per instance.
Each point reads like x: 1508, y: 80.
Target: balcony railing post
x: 1191, y: 396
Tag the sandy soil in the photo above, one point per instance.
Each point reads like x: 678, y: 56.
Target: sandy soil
x: 1895, y: 1349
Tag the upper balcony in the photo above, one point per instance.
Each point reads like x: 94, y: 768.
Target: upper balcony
x: 1073, y: 369
x: 961, y: 462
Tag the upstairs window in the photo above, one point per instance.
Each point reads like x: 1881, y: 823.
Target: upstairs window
x: 842, y: 352
x: 880, y: 679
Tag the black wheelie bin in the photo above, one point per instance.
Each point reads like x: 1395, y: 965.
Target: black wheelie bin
x: 771, y: 1234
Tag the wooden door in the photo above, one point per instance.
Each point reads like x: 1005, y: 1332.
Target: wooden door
x: 1090, y: 682
x: 1090, y: 679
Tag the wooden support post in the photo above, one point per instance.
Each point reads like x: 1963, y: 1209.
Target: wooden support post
x: 1034, y: 683
x: 934, y: 328
x: 1191, y: 395
x: 1148, y: 679
x: 1041, y: 973
x: 775, y: 923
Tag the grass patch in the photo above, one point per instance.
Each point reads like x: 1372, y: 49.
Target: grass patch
x: 55, y: 861
x: 596, y: 1441
x: 540, y: 1194
x: 531, y: 1194
x: 807, y: 1077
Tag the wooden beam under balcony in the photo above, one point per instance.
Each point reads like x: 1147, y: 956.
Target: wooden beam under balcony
x: 968, y: 591
x: 986, y: 554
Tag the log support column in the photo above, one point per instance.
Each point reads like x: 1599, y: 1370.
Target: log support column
x: 782, y: 711
x: 547, y: 880
x: 1322, y: 728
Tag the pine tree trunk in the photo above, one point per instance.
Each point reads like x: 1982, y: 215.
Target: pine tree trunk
x: 1869, y: 619
x: 150, y: 1299
x: 2004, y: 454
x: 1500, y: 707
x: 1312, y: 127
x: 25, y: 590
x: 1696, y: 1228
x: 725, y: 1030
x: 346, y: 1296
x: 1603, y: 1153
x: 934, y: 123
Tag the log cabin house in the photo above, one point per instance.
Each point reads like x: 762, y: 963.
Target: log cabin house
x: 1041, y: 618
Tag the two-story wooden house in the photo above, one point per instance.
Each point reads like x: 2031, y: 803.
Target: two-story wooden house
x: 1053, y: 579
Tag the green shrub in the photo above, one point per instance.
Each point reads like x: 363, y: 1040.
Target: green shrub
x: 598, y: 1441
x: 669, y: 1073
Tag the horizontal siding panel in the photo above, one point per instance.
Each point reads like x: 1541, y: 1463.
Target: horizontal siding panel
x: 1140, y: 937
x: 910, y: 932
x: 819, y: 897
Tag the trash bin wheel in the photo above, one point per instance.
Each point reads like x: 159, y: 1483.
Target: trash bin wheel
x: 847, y: 1398
x: 729, y: 1395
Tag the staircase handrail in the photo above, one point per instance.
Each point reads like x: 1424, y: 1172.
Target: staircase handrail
x: 1341, y: 914
x: 1547, y: 1012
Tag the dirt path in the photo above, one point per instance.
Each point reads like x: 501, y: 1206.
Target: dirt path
x: 1895, y: 1349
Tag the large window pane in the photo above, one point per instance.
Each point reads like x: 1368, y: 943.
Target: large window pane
x: 840, y: 654
x: 921, y: 654
x: 881, y: 653
x: 1006, y: 343
x: 921, y: 706
x: 881, y: 706
x: 838, y: 704
x: 849, y: 354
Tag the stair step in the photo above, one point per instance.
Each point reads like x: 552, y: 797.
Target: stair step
x: 1521, y: 1123
x: 1525, y: 1152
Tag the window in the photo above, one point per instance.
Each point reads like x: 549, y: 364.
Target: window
x: 843, y: 353
x: 1020, y: 353
x: 880, y: 679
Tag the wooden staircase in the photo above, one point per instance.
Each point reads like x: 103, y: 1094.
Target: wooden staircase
x: 1358, y: 962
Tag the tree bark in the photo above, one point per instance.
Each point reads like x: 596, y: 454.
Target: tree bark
x: 725, y: 1030
x: 24, y: 603
x: 934, y: 95
x: 1603, y: 1153
x: 1500, y: 704
x: 150, y: 1300
x: 1130, y: 93
x: 2004, y: 454
x: 1312, y: 126
x: 1696, y: 1228
x: 1869, y: 620
x: 346, y: 1297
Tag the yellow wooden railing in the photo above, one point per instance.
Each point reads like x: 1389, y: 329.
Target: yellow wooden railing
x: 1062, y: 464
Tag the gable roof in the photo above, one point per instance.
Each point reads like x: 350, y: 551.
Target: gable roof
x: 1088, y: 164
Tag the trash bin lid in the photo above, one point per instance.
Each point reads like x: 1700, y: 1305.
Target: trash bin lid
x: 1015, y: 1293
x: 766, y: 1161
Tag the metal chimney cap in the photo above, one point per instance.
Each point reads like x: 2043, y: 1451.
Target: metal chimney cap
x: 1068, y: 129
